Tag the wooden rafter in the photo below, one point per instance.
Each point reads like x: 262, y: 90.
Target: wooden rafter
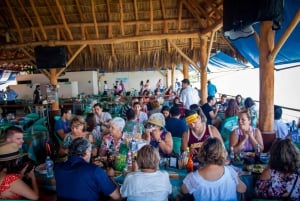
x: 121, y: 18
x: 15, y: 20
x: 151, y: 15
x: 136, y: 14
x: 34, y: 33
x: 194, y: 12
x: 39, y: 21
x: 214, y: 27
x: 105, y: 24
x: 71, y: 59
x: 81, y: 18
x: 110, y: 34
x: 212, y: 35
x: 58, y: 29
x: 106, y: 41
x: 179, y: 15
x: 184, y: 55
x: 285, y: 35
x: 62, y: 15
x: 94, y: 18
x: 163, y: 12
x: 28, y: 54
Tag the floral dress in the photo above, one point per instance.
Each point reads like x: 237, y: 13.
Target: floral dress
x: 280, y: 185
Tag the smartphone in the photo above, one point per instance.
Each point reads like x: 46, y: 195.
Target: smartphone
x: 29, y: 167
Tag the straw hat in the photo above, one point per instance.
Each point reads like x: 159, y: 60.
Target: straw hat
x: 157, y: 119
x: 10, y: 151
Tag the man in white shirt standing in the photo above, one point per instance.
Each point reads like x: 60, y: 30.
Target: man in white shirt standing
x: 188, y: 95
x: 280, y: 127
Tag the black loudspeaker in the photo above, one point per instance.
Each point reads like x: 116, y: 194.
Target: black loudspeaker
x: 50, y: 57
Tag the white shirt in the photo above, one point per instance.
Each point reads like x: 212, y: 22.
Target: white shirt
x: 280, y: 128
x: 189, y: 96
x: 222, y: 189
x: 141, y: 186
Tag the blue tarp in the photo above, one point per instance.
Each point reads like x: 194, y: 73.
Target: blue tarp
x: 223, y: 62
x: 289, y: 52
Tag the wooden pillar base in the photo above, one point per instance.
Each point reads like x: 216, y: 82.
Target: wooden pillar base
x: 268, y: 139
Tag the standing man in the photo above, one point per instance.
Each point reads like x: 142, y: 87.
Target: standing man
x: 211, y: 89
x: 105, y: 88
x: 11, y: 96
x: 77, y: 179
x: 188, y: 95
x: 36, y: 94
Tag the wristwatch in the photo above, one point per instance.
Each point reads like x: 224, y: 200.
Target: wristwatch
x: 159, y: 141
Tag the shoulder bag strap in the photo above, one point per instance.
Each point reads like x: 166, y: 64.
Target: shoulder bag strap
x: 293, y: 187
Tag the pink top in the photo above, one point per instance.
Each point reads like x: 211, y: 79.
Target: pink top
x: 248, y: 145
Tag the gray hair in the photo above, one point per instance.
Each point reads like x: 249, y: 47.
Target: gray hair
x: 79, y: 146
x: 119, y: 122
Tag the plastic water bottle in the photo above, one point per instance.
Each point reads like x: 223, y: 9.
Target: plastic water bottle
x: 49, y: 167
x: 231, y: 154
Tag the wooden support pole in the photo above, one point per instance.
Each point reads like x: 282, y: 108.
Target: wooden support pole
x: 203, y: 69
x: 172, y: 75
x: 266, y: 74
x: 53, y: 82
x: 185, y: 70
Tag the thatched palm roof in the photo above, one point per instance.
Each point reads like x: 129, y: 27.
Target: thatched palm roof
x: 111, y: 35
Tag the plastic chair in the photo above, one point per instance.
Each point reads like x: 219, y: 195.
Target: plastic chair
x: 176, y: 144
x: 40, y: 121
x: 36, y: 127
x: 32, y: 116
x: 228, y: 125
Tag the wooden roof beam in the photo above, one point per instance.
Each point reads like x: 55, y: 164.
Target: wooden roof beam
x: 94, y: 18
x: 184, y: 55
x: 214, y: 27
x: 121, y: 18
x: 163, y: 12
x: 110, y: 34
x: 179, y: 15
x: 28, y: 54
x: 136, y: 17
x: 58, y: 29
x: 212, y: 35
x: 285, y: 36
x: 39, y: 21
x: 151, y: 15
x: 195, y: 14
x: 81, y: 19
x: 105, y: 41
x: 62, y: 15
x: 71, y: 59
x: 106, y: 24
x: 137, y: 27
x: 34, y: 32
x: 15, y: 20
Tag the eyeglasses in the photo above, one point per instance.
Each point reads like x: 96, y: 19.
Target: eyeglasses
x: 150, y: 125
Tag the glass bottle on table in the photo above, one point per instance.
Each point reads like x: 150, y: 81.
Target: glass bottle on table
x: 231, y: 154
x: 257, y: 152
x: 190, y: 162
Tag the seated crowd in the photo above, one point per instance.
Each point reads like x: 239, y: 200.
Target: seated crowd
x: 81, y: 140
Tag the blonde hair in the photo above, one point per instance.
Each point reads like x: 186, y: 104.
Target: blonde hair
x: 148, y: 157
x: 78, y: 121
x: 212, y: 152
